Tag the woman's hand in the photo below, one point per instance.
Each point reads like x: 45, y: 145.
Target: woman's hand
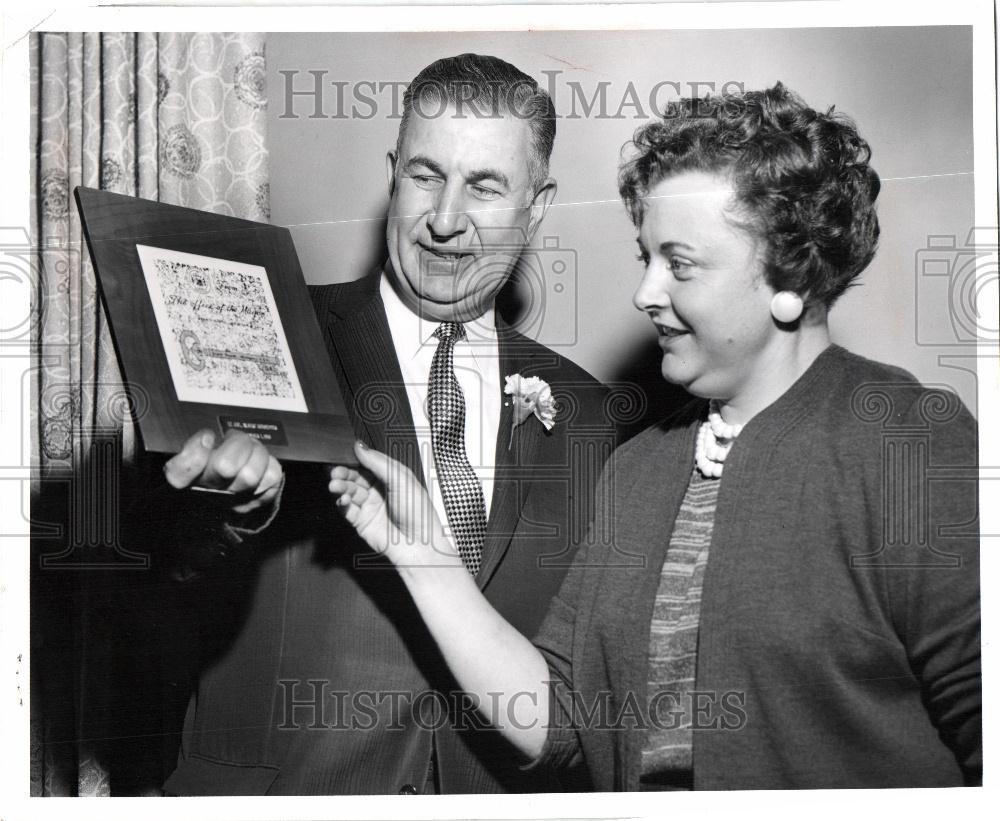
x: 391, y: 511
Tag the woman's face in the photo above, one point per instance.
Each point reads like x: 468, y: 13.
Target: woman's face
x: 704, y: 289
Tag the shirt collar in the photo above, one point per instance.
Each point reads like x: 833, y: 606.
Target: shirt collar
x: 411, y: 332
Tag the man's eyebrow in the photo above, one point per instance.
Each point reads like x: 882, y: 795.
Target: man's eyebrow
x: 477, y: 176
x: 493, y: 174
x: 426, y: 162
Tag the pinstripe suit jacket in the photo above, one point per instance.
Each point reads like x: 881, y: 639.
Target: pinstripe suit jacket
x: 330, y: 682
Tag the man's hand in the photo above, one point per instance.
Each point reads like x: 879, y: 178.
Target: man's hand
x: 391, y: 511
x: 240, y: 465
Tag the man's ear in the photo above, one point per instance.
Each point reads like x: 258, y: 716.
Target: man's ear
x: 540, y: 204
x: 390, y: 170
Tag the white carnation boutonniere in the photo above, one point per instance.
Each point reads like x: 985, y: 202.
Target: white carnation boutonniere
x: 532, y: 397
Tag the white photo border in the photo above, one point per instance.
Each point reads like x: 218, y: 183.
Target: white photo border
x: 14, y: 549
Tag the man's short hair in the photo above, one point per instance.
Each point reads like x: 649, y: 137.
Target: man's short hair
x: 478, y: 85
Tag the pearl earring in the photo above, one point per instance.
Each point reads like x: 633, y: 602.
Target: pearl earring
x: 786, y: 306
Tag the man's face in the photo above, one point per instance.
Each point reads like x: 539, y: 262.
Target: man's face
x: 462, y: 208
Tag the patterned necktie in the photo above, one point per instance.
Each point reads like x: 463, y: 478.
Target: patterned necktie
x: 460, y: 487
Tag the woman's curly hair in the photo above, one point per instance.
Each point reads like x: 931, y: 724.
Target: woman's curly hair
x: 802, y: 181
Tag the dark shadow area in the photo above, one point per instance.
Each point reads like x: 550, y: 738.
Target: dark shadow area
x: 637, y: 376
x: 129, y: 607
x: 640, y: 366
x: 122, y: 624
x: 375, y: 254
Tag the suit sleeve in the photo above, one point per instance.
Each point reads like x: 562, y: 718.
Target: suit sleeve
x: 194, y: 533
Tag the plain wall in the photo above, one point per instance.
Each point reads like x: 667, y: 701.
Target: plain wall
x: 909, y: 89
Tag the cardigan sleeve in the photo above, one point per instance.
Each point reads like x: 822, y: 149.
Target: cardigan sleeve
x: 937, y: 601
x: 577, y: 684
x: 555, y: 639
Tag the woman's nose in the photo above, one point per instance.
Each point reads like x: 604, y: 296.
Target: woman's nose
x: 652, y: 294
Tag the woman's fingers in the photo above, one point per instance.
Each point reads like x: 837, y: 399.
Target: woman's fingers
x: 345, y: 474
x: 364, y: 510
x: 350, y: 488
x: 385, y: 503
x: 349, y: 511
x: 342, y: 485
x: 344, y: 490
x: 376, y: 462
x: 391, y: 473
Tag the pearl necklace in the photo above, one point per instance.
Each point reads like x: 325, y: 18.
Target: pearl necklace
x: 715, y: 439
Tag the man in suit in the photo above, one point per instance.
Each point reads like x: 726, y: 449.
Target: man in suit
x: 328, y: 681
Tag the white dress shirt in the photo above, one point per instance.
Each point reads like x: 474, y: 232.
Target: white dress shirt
x: 477, y: 368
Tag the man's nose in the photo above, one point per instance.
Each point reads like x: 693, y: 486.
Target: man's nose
x: 448, y: 217
x: 652, y: 294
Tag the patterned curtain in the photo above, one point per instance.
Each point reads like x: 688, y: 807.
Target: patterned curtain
x: 178, y: 118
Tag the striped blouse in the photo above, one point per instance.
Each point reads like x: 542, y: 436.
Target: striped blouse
x: 673, y: 641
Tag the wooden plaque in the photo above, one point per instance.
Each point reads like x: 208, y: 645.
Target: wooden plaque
x: 214, y: 328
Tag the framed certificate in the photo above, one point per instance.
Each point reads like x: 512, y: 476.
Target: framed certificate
x: 213, y: 327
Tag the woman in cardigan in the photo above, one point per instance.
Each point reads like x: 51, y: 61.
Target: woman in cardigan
x: 781, y: 587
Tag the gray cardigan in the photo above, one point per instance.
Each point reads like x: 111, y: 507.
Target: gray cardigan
x: 839, y: 635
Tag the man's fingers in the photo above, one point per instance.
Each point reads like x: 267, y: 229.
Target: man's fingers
x: 268, y: 495
x: 229, y: 458
x: 251, y: 474
x: 239, y: 464
x: 272, y: 477
x: 185, y: 467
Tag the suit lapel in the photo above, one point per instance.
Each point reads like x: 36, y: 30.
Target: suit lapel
x: 515, y: 456
x: 361, y: 344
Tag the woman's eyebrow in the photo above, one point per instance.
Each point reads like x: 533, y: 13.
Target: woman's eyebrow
x: 673, y: 244
x: 667, y: 246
